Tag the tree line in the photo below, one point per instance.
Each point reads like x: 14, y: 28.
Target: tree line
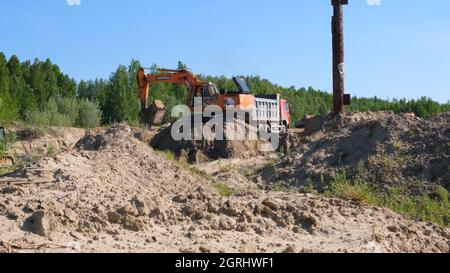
x: 40, y: 93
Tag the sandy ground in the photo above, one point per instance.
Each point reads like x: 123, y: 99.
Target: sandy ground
x: 113, y: 193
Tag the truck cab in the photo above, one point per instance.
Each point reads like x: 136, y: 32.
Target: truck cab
x: 285, y: 114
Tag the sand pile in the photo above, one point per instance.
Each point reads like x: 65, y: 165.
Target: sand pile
x: 107, y: 178
x: 213, y: 148
x: 112, y: 192
x: 110, y: 182
x: 381, y: 148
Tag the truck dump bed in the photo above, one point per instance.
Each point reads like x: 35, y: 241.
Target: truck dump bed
x: 268, y: 108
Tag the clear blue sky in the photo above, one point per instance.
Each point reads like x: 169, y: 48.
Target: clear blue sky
x: 398, y: 49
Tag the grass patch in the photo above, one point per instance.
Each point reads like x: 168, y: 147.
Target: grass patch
x: 278, y: 187
x: 199, y: 172
x: 169, y: 155
x: 35, y: 157
x: 249, y: 172
x: 309, y: 188
x: 51, y: 151
x: 194, y: 170
x: 223, y: 189
x: 356, y: 191
x: 6, y: 170
x: 8, y: 144
x: 397, y: 146
x: 225, y: 168
x: 429, y: 208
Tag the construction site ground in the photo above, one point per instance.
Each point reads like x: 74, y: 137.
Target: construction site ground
x: 108, y: 190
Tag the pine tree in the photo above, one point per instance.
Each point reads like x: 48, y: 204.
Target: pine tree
x: 20, y: 90
x: 8, y: 106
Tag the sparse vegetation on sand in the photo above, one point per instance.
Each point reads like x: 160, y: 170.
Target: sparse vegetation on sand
x: 433, y: 207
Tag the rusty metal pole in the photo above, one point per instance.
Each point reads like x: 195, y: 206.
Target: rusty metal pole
x: 338, y: 56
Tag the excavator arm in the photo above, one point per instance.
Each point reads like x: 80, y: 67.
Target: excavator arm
x: 153, y: 113
x: 183, y: 77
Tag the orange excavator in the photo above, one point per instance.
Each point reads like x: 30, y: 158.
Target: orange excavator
x: 207, y: 91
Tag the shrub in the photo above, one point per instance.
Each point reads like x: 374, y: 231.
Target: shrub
x: 60, y: 120
x: 89, y: 114
x: 67, y: 112
x: 69, y: 107
x: 38, y: 118
x: 50, y: 116
x: 7, y: 144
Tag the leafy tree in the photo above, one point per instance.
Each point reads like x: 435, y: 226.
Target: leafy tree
x: 121, y: 103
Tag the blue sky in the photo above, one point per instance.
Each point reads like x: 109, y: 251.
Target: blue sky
x: 399, y: 49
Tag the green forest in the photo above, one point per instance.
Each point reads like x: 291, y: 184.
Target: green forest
x: 39, y: 93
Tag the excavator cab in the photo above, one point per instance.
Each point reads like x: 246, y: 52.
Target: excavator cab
x: 208, y: 92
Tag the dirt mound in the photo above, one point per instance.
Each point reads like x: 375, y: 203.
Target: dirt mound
x: 112, y: 192
x: 103, y: 174
x: 111, y: 183
x: 35, y: 142
x: 209, y: 148
x: 381, y: 148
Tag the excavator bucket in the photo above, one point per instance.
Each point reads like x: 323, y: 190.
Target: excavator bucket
x: 153, y: 115
x: 158, y: 110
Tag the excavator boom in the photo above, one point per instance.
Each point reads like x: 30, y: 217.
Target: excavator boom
x: 196, y: 88
x: 183, y: 77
